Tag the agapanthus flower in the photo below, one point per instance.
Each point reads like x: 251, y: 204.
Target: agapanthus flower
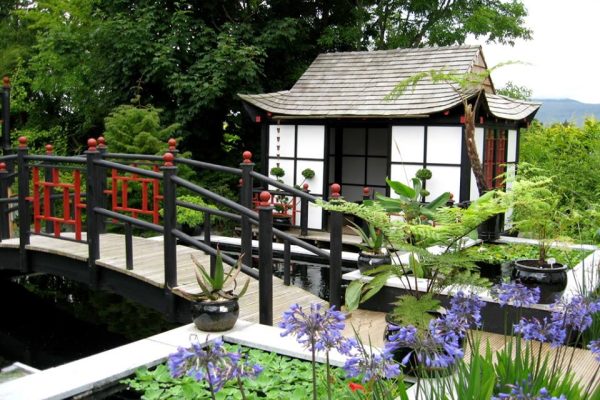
x: 546, y: 331
x: 575, y: 312
x: 371, y: 365
x: 438, y: 347
x: 319, y: 328
x: 465, y: 310
x: 594, y: 347
x: 515, y: 294
x: 210, y: 362
x: 524, y: 392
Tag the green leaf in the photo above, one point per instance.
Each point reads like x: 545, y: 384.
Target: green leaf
x: 438, y: 202
x: 353, y: 292
x: 401, y: 189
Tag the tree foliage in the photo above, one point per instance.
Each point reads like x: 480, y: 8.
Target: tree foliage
x: 74, y: 61
x: 515, y: 91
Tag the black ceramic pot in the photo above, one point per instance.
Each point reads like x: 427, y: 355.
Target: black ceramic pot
x: 215, y: 316
x: 550, y: 278
x: 489, y: 230
x: 368, y: 261
x: 282, y: 222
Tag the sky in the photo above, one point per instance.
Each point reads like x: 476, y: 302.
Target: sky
x: 563, y: 58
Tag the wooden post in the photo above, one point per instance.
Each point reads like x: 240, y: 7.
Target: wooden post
x: 6, y: 115
x: 287, y: 262
x: 4, y: 220
x: 304, y: 212
x: 49, y: 191
x: 335, y: 251
x: 169, y: 223
x: 92, y: 201
x: 247, y: 167
x: 24, y: 217
x: 265, y: 259
x: 101, y: 171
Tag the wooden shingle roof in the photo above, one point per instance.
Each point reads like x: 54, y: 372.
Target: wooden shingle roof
x: 355, y: 84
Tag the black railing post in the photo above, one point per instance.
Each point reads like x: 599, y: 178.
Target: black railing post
x: 6, y: 116
x: 169, y: 223
x: 24, y: 218
x: 49, y: 190
x: 206, y: 229
x: 265, y: 259
x: 92, y: 201
x: 128, y: 246
x: 366, y: 193
x: 246, y: 200
x: 4, y: 218
x: 287, y: 261
x: 101, y: 171
x: 304, y: 212
x: 335, y: 251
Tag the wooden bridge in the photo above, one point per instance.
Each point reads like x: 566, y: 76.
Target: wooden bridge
x: 86, y: 193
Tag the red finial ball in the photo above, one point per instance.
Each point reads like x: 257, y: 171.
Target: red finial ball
x: 241, y: 182
x: 49, y: 148
x: 265, y: 198
x: 168, y: 158
x: 305, y: 186
x: 22, y: 141
x: 366, y: 191
x: 92, y: 144
x: 2, y: 167
x: 172, y: 143
x: 335, y: 190
x: 247, y: 156
x: 6, y: 80
x: 101, y: 141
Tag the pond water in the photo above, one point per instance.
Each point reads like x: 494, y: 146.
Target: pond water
x: 48, y: 320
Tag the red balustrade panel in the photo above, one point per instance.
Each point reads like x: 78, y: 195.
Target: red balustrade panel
x: 71, y: 200
x: 150, y: 190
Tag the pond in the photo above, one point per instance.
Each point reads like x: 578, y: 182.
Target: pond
x: 48, y: 320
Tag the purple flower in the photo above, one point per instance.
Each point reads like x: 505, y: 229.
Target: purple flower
x: 594, y: 347
x: 574, y: 312
x: 211, y: 362
x: 546, y: 331
x: 320, y: 328
x: 370, y: 365
x: 515, y: 294
x: 438, y: 347
x: 465, y: 310
x: 523, y: 392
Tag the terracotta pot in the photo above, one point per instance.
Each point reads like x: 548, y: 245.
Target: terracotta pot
x: 550, y: 278
x: 215, y: 316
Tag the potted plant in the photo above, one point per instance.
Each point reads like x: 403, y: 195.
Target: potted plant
x: 216, y: 308
x: 372, y: 252
x: 282, y: 203
x: 433, y: 258
x: 537, y: 215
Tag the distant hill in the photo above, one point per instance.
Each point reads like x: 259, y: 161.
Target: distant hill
x: 561, y: 110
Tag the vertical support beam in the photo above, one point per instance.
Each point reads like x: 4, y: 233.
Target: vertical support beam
x: 169, y: 223
x: 265, y: 259
x: 128, y: 246
x: 4, y: 220
x: 6, y: 115
x: 336, y: 221
x: 287, y: 261
x: 207, y: 241
x: 91, y: 201
x: 48, y: 192
x: 247, y: 167
x: 304, y: 212
x: 24, y: 218
x: 101, y: 171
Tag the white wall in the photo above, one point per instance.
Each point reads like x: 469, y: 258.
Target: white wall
x: 408, y: 143
x: 444, y: 144
x: 302, y: 147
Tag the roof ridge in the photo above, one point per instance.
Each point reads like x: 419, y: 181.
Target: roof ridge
x: 405, y: 50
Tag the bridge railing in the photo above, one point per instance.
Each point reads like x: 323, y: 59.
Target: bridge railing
x: 108, y: 175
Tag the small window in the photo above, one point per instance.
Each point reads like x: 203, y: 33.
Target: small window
x: 494, y: 157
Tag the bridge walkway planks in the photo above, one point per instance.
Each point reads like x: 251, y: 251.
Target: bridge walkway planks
x: 148, y: 267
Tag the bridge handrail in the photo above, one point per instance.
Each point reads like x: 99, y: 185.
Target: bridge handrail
x: 8, y: 157
x: 125, y: 218
x: 280, y: 234
x: 205, y: 165
x: 128, y: 168
x: 55, y: 159
x: 282, y: 186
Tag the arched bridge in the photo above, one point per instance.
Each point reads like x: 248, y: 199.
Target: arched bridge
x: 57, y: 221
